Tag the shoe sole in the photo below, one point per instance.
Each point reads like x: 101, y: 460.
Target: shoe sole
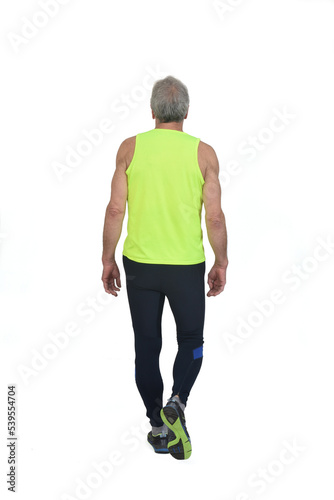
x: 180, y: 447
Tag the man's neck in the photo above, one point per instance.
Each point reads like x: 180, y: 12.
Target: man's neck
x: 170, y: 126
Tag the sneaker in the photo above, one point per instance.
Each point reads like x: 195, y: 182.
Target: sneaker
x: 159, y: 442
x: 179, y: 444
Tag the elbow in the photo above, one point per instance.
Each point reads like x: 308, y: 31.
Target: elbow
x: 215, y: 219
x: 113, y: 211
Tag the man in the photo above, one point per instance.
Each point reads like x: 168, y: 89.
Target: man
x: 166, y: 175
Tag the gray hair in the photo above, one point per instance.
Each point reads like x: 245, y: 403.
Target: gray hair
x: 169, y: 100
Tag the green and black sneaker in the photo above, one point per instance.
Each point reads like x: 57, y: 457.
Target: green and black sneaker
x: 159, y: 442
x: 179, y: 444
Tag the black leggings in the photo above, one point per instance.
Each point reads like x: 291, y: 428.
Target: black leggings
x: 147, y: 286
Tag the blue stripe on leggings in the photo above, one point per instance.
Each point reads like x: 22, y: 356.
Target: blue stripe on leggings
x: 198, y: 352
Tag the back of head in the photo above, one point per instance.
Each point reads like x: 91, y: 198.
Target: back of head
x: 169, y: 100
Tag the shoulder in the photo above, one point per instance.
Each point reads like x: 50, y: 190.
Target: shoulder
x: 206, y: 151
x: 126, y: 151
x: 207, y: 157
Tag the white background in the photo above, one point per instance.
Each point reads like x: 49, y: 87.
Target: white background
x: 273, y: 386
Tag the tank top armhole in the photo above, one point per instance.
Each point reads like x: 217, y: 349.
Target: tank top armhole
x: 196, y: 161
x: 133, y: 158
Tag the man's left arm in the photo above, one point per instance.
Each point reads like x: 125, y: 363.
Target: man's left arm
x: 113, y: 223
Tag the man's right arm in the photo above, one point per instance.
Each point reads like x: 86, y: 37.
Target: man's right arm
x: 214, y: 218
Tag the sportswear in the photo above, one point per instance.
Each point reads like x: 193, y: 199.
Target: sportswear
x: 179, y: 444
x: 159, y: 443
x: 147, y: 287
x: 165, y: 186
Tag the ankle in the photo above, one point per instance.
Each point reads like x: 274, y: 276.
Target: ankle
x: 177, y: 398
x: 162, y: 430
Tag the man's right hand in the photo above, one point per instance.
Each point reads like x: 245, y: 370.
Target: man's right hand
x: 216, y: 280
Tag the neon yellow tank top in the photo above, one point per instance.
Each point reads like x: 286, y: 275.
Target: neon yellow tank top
x: 165, y: 199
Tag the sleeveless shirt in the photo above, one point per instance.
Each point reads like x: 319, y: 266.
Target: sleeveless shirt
x: 165, y: 199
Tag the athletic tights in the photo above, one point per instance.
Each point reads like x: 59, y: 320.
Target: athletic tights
x: 147, y: 286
